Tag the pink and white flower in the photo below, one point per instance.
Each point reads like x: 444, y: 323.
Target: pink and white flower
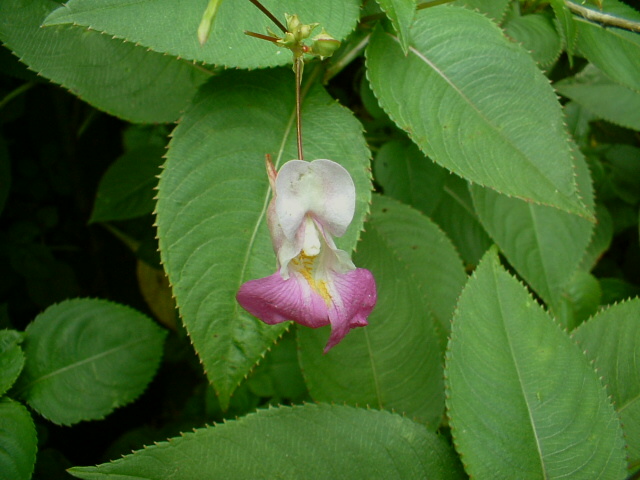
x: 316, y: 283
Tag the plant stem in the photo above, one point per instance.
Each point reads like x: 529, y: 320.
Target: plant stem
x: 346, y: 59
x: 603, y: 18
x: 271, y: 16
x: 298, y: 65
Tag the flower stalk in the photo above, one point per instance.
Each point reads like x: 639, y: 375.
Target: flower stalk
x: 315, y: 284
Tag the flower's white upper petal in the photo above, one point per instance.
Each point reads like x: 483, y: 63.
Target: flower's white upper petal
x: 322, y: 188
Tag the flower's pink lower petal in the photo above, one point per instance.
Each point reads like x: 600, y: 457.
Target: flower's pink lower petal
x: 274, y: 300
x: 355, y: 296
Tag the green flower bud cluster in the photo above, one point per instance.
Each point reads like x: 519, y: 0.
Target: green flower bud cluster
x: 322, y: 45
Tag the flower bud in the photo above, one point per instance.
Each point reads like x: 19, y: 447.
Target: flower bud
x: 324, y: 44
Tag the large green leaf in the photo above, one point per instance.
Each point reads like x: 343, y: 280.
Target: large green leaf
x: 456, y: 216
x: 581, y: 298
x: 545, y: 245
x: 308, y: 442
x: 522, y: 399
x: 171, y: 26
x: 567, y: 26
x: 278, y: 375
x: 401, y: 13
x: 611, y: 339
x: 85, y: 357
x: 11, y: 358
x: 127, y: 188
x: 600, y: 240
x: 612, y: 50
x: 603, y: 97
x: 120, y: 78
x: 477, y: 104
x: 212, y: 200
x: 405, y: 174
x: 18, y: 441
x: 537, y: 34
x: 396, y: 361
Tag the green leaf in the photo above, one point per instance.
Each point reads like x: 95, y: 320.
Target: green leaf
x: 567, y: 25
x: 401, y: 13
x: 600, y: 240
x: 522, y: 400
x: 608, y: 100
x: 212, y: 199
x: 580, y: 299
x: 495, y: 9
x: 171, y: 27
x: 614, y: 51
x: 617, y: 290
x: 310, y: 442
x: 11, y: 358
x: 405, y: 174
x: 86, y: 357
x: 278, y: 375
x: 18, y: 441
x: 537, y: 34
x: 456, y: 216
x: 120, y: 78
x: 624, y: 168
x: 396, y: 361
x: 461, y: 95
x: 611, y: 339
x: 127, y: 188
x: 545, y: 245
x: 578, y: 121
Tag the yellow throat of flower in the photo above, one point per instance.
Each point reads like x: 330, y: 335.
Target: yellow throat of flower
x: 306, y: 266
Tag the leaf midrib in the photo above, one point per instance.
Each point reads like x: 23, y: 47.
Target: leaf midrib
x: 479, y: 112
x: 85, y: 361
x: 520, y: 381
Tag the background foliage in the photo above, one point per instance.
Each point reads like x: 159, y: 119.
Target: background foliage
x: 495, y: 149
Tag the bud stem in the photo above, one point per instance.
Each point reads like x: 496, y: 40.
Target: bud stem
x: 298, y: 64
x: 271, y: 16
x: 261, y: 36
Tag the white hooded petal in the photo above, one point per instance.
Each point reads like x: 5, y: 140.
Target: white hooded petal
x: 322, y: 189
